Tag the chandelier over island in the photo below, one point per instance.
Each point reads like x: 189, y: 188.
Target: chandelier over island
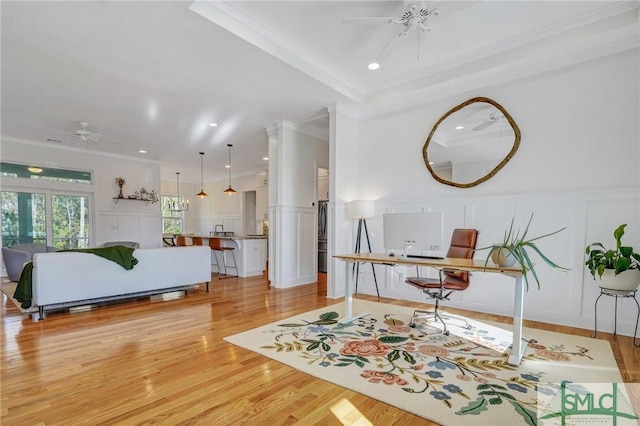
x: 178, y: 204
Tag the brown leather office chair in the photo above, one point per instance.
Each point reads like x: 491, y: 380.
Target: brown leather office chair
x: 463, y: 244
x: 216, y: 245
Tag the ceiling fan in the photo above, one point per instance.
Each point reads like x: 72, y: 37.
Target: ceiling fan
x: 493, y: 119
x: 85, y: 134
x: 414, y: 18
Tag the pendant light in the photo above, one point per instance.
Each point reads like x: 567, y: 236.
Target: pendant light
x: 178, y: 205
x: 229, y: 190
x: 201, y: 194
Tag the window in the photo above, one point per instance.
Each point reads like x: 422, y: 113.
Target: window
x: 23, y: 218
x: 70, y: 221
x: 171, y: 219
x: 44, y: 173
x: 60, y: 220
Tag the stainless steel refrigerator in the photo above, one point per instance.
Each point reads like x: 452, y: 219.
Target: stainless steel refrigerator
x: 322, y: 236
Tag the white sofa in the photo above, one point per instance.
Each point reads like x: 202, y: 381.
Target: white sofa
x: 74, y: 278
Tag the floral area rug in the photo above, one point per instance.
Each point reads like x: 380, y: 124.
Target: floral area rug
x: 452, y: 380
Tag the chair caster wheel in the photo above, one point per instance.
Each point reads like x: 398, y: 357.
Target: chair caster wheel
x: 446, y: 333
x: 468, y: 327
x: 412, y: 325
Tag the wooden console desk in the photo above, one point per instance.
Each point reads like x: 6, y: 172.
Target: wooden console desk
x: 467, y: 265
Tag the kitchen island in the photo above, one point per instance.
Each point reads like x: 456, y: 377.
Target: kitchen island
x: 250, y: 252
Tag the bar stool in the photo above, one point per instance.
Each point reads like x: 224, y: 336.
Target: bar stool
x: 181, y: 241
x: 168, y: 240
x: 196, y: 241
x: 216, y: 246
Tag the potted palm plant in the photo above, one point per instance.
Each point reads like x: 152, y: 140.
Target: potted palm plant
x: 515, y: 247
x: 619, y: 268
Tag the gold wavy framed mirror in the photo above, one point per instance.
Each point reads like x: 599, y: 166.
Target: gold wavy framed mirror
x: 471, y: 143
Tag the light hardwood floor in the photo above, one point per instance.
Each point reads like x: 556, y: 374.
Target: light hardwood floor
x: 164, y: 362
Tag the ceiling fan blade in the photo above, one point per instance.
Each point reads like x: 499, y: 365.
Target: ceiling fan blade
x: 369, y: 21
x: 389, y: 46
x: 483, y: 125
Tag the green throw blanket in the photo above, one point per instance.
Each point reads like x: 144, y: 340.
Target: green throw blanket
x: 121, y: 255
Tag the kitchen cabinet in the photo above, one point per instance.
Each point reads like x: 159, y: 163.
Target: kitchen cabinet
x: 262, y: 179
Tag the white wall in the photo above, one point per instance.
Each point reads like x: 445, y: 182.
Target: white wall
x: 217, y: 208
x: 577, y: 167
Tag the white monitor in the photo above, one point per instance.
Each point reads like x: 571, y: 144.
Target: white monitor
x: 417, y: 233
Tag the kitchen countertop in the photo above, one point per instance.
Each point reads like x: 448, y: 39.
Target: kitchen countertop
x: 235, y: 237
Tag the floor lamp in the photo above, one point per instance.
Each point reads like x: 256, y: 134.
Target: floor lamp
x: 361, y: 209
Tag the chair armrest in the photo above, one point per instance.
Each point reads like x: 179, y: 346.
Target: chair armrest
x: 14, y: 261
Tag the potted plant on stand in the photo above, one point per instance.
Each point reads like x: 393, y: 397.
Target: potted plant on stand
x: 514, y: 249
x: 619, y: 273
x: 619, y: 268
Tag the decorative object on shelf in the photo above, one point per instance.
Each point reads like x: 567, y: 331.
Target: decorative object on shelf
x: 617, y: 269
x: 178, y: 204
x: 142, y: 195
x: 120, y: 182
x: 229, y: 190
x: 153, y: 196
x: 513, y: 249
x: 201, y: 194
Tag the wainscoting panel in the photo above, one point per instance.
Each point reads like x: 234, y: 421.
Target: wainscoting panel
x: 295, y: 257
x: 146, y: 229
x: 564, y: 297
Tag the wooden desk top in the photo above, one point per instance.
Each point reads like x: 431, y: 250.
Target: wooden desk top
x: 453, y: 263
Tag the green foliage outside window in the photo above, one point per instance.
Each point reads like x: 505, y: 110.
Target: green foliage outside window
x: 171, y: 220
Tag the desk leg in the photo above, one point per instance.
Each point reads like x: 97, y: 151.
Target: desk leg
x: 517, y: 348
x: 348, y: 298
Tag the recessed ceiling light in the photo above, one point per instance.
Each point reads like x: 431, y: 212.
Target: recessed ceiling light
x: 373, y: 66
x: 213, y: 124
x: 34, y: 169
x: 142, y: 151
x: 265, y: 158
x: 227, y: 166
x: 459, y: 127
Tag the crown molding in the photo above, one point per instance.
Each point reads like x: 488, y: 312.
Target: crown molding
x: 229, y: 17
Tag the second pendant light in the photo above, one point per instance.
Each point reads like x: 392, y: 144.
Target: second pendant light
x: 201, y: 194
x: 229, y: 190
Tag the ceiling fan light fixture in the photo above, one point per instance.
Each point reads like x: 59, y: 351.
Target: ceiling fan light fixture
x: 229, y: 190
x: 201, y: 194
